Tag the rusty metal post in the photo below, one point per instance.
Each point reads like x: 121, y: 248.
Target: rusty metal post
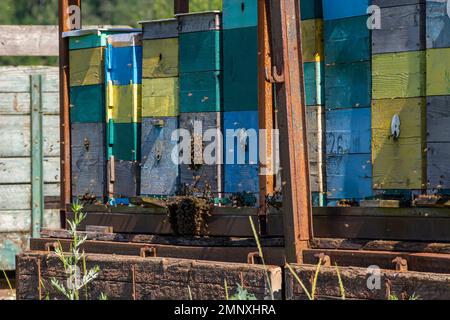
x: 291, y: 116
x: 265, y: 113
x: 181, y: 6
x: 65, y: 25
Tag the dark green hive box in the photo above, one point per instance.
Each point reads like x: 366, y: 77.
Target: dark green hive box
x: 200, y: 92
x: 123, y: 141
x: 87, y: 104
x: 200, y: 51
x: 311, y: 9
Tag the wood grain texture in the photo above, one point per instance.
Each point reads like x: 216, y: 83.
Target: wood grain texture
x: 87, y: 104
x: 438, y: 168
x: 159, y: 174
x: 333, y: 9
x: 349, y: 176
x: 18, y: 196
x: 39, y: 40
x: 316, y: 131
x: 160, y: 97
x: 346, y: 40
x: 438, y: 72
x: 160, y: 58
x: 200, y: 21
x: 17, y: 79
x: 438, y: 24
x: 160, y: 29
x: 200, y: 51
x: 240, y: 70
x: 239, y: 13
x: 18, y: 170
x: 312, y: 41
x: 201, y: 92
x: 88, y: 159
x: 399, y: 163
x: 348, y: 131
x: 20, y: 220
x: 86, y: 67
x: 14, y: 103
x: 438, y: 117
x: 126, y: 179
x: 348, y: 85
x: 398, y: 75
x: 402, y: 29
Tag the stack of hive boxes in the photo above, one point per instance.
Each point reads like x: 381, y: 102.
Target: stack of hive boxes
x: 87, y: 112
x: 313, y: 55
x: 123, y: 70
x: 438, y: 94
x: 159, y: 172
x: 240, y: 83
x: 347, y: 99
x: 398, y: 92
x: 200, y: 55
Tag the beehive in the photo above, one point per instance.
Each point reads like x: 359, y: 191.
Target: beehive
x: 160, y: 58
x: 333, y: 9
x: 399, y: 162
x: 201, y: 92
x: 311, y: 9
x: 86, y: 66
x: 87, y: 104
x: 124, y: 103
x: 160, y: 97
x: 159, y: 170
x: 239, y: 13
x: 438, y: 72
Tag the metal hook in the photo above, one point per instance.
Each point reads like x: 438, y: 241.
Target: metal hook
x: 274, y: 76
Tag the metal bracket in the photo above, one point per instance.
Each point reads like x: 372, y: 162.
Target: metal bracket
x: 274, y: 76
x: 324, y: 259
x: 148, y: 252
x: 401, y: 264
x: 254, y: 258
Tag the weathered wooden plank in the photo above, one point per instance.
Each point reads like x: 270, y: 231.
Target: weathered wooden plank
x: 14, y: 221
x: 438, y: 117
x: 29, y: 40
x: 18, y: 170
x: 10, y: 245
x: 348, y: 131
x: 18, y: 196
x: 160, y: 97
x: 438, y: 72
x: 160, y: 58
x: 348, y: 85
x: 200, y: 51
x: 312, y: 41
x: 399, y: 163
x: 124, y: 103
x: 199, y: 21
x: 87, y: 66
x: 346, y: 40
x: 395, y: 3
x: 154, y: 278
x: 17, y: 79
x: 239, y: 13
x: 16, y: 103
x: 201, y: 92
x: 438, y: 170
x: 438, y: 24
x: 398, y: 75
x: 315, y: 127
x: 314, y: 83
x: 402, y: 29
x: 333, y: 9
x: 160, y: 29
x: 126, y: 179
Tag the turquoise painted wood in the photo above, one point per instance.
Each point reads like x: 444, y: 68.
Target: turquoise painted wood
x: 123, y: 140
x: 347, y: 40
x: 87, y: 104
x: 438, y: 24
x: 311, y: 9
x: 200, y: 92
x: 314, y: 83
x: 200, y: 51
x: 123, y: 65
x: 159, y: 173
x: 349, y: 176
x: 85, y: 39
x: 338, y: 9
x: 240, y: 71
x: 348, y: 131
x: 239, y: 13
x: 348, y: 85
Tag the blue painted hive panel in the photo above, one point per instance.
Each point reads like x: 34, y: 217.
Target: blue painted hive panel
x: 438, y: 119
x: 314, y: 83
x: 240, y: 71
x: 159, y: 173
x: 200, y: 92
x: 349, y: 176
x: 333, y: 9
x: 87, y: 104
x: 348, y: 85
x: 88, y: 159
x: 311, y: 9
x: 347, y: 40
x: 123, y: 65
x: 200, y: 51
x: 241, y: 178
x: 126, y: 179
x: 402, y: 29
x: 239, y: 13
x: 348, y: 131
x: 438, y: 24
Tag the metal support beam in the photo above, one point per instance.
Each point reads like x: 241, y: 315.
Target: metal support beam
x: 37, y: 177
x: 65, y: 25
x: 291, y: 116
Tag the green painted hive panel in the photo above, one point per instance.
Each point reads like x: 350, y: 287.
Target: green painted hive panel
x: 123, y: 140
x: 314, y: 83
x: 200, y: 92
x: 200, y: 51
x: 87, y: 104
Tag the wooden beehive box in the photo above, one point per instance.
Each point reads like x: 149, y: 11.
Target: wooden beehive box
x: 399, y: 163
x: 438, y: 24
x: 201, y: 92
x: 160, y: 97
x: 438, y: 72
x: 123, y: 140
x: 159, y: 172
x: 87, y: 104
x: 346, y: 40
x: 239, y: 13
x: 199, y: 175
x: 402, y: 29
x: 333, y: 9
x: 311, y: 9
x: 124, y: 103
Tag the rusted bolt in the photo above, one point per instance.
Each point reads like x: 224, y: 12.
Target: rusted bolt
x: 401, y: 264
x: 148, y: 252
x: 254, y: 258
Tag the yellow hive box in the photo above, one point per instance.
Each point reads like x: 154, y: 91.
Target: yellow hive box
x: 399, y: 163
x: 160, y: 58
x: 398, y: 75
x: 438, y: 72
x: 160, y: 97
x: 312, y: 40
x: 123, y: 103
x: 86, y: 67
